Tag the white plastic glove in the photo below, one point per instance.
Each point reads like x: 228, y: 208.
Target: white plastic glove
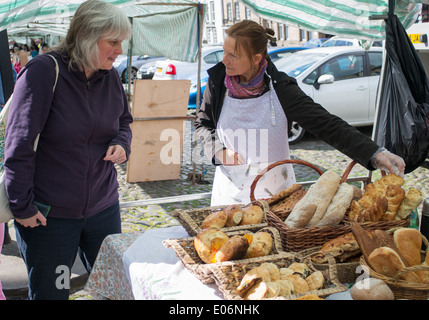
x: 388, y: 162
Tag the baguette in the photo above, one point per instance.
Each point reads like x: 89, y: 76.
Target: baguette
x: 338, y: 207
x: 322, y: 194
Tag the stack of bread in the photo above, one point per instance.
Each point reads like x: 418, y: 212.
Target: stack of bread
x: 343, y: 248
x: 270, y: 281
x: 234, y: 215
x: 385, y: 200
x: 329, y: 200
x: 324, y: 204
x: 213, y: 245
x: 390, y: 255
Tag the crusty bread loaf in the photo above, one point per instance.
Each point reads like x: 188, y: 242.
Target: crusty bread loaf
x: 341, y: 248
x: 284, y: 194
x: 234, y: 248
x: 260, y: 244
x: 338, y: 206
x: 412, y: 200
x: 284, y: 207
x: 394, y: 195
x: 301, y: 217
x: 386, y: 261
x: 215, y: 219
x: 207, y: 243
x: 324, y: 190
x: 234, y: 213
x: 408, y: 241
x: 315, y: 281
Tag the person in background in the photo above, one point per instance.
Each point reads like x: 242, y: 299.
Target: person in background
x: 2, y: 297
x: 64, y: 196
x: 245, y: 115
x: 6, y: 235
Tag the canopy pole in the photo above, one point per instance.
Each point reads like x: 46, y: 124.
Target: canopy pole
x: 130, y: 64
x: 197, y: 105
x: 381, y: 81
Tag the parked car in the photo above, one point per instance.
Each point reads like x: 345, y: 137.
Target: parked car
x: 343, y: 80
x: 276, y: 53
x: 121, y: 65
x: 147, y: 70
x: 341, y: 41
x: 315, y: 42
x: 174, y: 69
x: 192, y: 103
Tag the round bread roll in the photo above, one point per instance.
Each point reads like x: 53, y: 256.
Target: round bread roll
x: 315, y: 281
x: 260, y: 244
x: 214, y: 220
x: 234, y: 215
x: 252, y: 215
x: 300, y: 269
x: 234, y: 248
x: 208, y: 242
x: 299, y: 284
x: 371, y: 289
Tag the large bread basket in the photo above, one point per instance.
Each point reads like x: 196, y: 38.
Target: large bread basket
x: 403, y: 289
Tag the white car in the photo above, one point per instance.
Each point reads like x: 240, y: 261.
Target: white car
x: 174, y: 69
x: 341, y: 41
x: 344, y: 80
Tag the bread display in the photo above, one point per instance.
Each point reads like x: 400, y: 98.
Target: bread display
x: 270, y: 281
x: 234, y: 215
x: 382, y: 201
x: 213, y: 245
x: 390, y: 256
x: 343, y: 248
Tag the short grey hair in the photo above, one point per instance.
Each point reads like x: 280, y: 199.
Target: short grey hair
x: 93, y: 20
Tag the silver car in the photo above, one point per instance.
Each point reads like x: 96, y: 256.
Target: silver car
x: 344, y: 80
x: 174, y: 69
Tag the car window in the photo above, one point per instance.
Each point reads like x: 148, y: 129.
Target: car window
x: 297, y: 63
x: 375, y: 62
x: 344, y: 67
x: 211, y: 58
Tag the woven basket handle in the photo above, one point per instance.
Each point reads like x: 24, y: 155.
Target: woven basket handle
x: 278, y: 163
x: 349, y: 169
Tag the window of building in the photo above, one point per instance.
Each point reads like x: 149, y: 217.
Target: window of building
x: 248, y: 14
x: 212, y: 11
x: 280, y: 32
x: 237, y: 11
x: 228, y: 12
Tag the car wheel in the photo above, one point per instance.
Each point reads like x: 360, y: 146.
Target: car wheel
x: 296, y: 134
x: 133, y: 75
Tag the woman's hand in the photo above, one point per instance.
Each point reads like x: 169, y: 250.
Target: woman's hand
x: 116, y: 154
x: 34, y: 221
x: 229, y: 157
x: 389, y: 162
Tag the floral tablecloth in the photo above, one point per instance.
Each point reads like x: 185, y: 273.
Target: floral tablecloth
x: 136, y: 266
x: 108, y: 277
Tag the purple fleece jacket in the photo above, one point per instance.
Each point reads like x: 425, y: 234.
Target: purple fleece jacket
x: 77, y: 124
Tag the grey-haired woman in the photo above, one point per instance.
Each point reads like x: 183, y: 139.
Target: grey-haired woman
x: 64, y: 195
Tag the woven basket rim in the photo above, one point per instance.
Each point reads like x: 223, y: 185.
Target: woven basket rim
x: 399, y: 283
x: 334, y: 286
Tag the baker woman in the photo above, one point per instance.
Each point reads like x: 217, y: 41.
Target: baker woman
x: 243, y: 121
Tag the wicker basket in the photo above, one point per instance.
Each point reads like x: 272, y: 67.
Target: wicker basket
x: 186, y: 252
x: 404, y: 289
x: 380, y: 225
x: 298, y: 239
x: 229, y: 275
x: 346, y: 270
x: 191, y: 219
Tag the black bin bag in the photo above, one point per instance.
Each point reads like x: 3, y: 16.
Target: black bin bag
x: 403, y: 118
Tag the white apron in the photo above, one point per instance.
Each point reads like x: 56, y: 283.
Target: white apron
x: 256, y: 129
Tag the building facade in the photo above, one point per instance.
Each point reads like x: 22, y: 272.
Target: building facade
x: 221, y: 14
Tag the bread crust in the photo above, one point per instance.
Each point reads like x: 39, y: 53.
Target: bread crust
x: 234, y: 248
x: 215, y: 219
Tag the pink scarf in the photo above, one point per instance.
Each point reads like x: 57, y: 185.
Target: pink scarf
x: 254, y: 88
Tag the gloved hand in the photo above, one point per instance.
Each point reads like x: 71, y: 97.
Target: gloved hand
x: 388, y: 162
